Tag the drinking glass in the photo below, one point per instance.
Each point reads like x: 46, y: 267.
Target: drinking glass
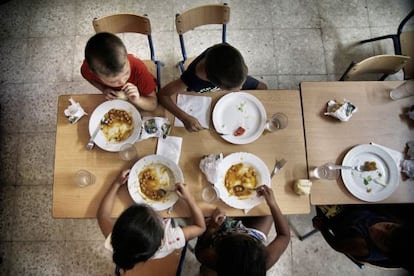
x: 209, y: 194
x: 325, y: 172
x: 84, y: 178
x: 128, y: 152
x: 404, y: 90
x: 276, y: 122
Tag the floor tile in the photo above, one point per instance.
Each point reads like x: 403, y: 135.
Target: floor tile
x: 7, y: 208
x: 10, y: 115
x: 380, y: 14
x: 32, y: 215
x: 82, y: 229
x: 50, y: 59
x: 13, y: 63
x: 243, y: 15
x: 299, y: 51
x: 294, y: 14
x: 337, y: 13
x: 38, y: 258
x: 36, y: 159
x: 5, y: 258
x: 19, y: 10
x: 9, y: 144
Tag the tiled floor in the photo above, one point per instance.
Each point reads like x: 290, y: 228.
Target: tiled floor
x: 283, y: 41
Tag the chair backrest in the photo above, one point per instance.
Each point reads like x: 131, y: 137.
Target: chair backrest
x: 131, y: 23
x: 380, y: 64
x: 407, y: 49
x: 200, y: 16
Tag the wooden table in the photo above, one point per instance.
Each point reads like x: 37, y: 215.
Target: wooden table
x: 69, y: 201
x: 379, y: 120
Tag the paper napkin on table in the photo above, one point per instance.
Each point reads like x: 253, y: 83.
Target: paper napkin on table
x: 396, y: 155
x: 170, y: 147
x: 196, y: 106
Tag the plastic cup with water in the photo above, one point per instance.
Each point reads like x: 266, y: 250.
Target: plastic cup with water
x: 128, y: 152
x: 84, y: 178
x: 276, y: 122
x: 324, y: 172
x: 209, y: 194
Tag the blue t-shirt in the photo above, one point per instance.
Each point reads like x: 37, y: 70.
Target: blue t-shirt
x: 196, y: 84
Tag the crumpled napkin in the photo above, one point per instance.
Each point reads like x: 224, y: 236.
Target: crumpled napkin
x: 74, y: 111
x: 154, y: 127
x: 209, y: 166
x: 170, y: 147
x: 196, y: 106
x: 342, y: 112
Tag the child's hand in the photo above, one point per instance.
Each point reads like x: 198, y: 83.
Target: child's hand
x: 267, y: 193
x: 110, y: 94
x: 122, y: 178
x: 131, y: 91
x: 182, y: 191
x: 192, y: 124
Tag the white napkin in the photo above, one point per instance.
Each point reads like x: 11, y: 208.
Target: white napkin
x: 170, y: 147
x: 396, y: 155
x: 196, y: 106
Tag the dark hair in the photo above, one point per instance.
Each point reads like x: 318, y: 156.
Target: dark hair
x: 241, y: 255
x: 225, y: 66
x: 401, y: 242
x: 136, y: 236
x: 105, y: 54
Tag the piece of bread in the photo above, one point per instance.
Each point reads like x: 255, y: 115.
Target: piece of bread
x: 302, y: 186
x: 121, y: 95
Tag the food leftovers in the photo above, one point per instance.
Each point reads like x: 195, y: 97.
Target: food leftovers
x: 240, y: 180
x: 154, y: 177
x: 118, y: 125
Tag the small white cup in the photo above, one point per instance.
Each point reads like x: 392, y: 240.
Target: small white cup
x: 276, y: 122
x: 209, y: 194
x: 84, y: 178
x: 128, y: 152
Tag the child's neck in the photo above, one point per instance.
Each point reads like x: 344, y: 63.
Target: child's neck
x: 201, y: 70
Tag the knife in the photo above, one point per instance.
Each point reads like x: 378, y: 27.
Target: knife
x: 278, y: 165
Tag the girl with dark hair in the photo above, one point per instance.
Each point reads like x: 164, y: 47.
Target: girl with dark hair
x: 236, y: 246
x: 140, y: 233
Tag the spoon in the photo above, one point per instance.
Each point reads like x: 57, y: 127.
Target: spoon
x: 241, y: 188
x: 163, y: 192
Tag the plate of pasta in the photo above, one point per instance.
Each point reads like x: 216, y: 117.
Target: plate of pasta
x: 151, y: 174
x: 120, y: 124
x: 239, y: 174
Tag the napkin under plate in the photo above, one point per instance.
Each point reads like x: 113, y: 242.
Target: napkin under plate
x: 196, y: 106
x: 396, y: 155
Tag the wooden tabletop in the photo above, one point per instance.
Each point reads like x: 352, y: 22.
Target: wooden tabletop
x: 70, y: 201
x: 379, y: 120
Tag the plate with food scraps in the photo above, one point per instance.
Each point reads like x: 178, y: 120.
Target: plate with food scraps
x: 152, y: 181
x: 378, y: 180
x: 239, y: 117
x: 239, y: 174
x: 121, y: 124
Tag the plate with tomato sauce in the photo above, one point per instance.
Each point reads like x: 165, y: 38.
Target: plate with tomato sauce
x: 239, y: 117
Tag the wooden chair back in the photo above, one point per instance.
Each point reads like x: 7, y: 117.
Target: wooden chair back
x: 196, y: 17
x: 380, y: 64
x: 131, y: 23
x: 407, y: 49
x: 202, y: 15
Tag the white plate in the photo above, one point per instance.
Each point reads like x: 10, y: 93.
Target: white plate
x: 263, y: 178
x: 367, y: 185
x: 134, y: 187
x: 239, y: 109
x: 98, y: 114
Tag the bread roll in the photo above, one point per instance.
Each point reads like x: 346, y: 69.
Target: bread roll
x: 302, y: 187
x: 121, y: 95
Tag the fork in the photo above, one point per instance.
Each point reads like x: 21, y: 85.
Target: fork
x: 359, y: 168
x: 91, y: 142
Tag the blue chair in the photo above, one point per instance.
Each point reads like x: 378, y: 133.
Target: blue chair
x: 196, y: 17
x: 131, y: 23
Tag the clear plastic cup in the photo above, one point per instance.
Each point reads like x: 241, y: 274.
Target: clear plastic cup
x: 128, y: 152
x: 209, y: 194
x: 404, y: 90
x: 324, y: 172
x: 84, y: 178
x: 276, y: 122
